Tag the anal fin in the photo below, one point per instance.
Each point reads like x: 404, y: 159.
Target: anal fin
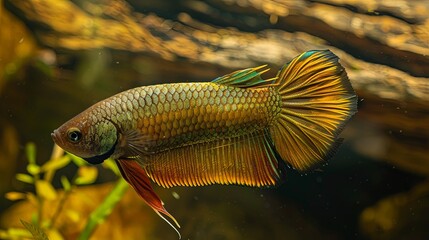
x: 245, y: 160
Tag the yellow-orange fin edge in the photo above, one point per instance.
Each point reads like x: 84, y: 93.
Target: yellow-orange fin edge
x: 243, y: 160
x: 317, y: 100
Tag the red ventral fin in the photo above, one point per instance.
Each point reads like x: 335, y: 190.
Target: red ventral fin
x: 136, y: 176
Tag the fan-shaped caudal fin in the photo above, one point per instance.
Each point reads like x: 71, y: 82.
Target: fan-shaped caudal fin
x: 136, y: 176
x: 317, y: 99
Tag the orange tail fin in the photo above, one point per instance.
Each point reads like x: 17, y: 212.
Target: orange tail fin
x: 317, y: 100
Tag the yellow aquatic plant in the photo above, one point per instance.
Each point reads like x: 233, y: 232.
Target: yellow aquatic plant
x: 44, y: 220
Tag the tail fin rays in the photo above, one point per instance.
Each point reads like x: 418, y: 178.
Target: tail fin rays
x: 317, y: 99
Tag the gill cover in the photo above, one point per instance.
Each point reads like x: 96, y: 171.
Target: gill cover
x: 104, y: 137
x: 93, y: 141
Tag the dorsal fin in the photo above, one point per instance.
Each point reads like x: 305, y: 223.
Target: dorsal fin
x: 245, y: 78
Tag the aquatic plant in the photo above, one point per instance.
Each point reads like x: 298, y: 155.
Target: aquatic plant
x: 44, y: 219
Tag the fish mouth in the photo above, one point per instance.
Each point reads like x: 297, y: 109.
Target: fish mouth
x: 56, y: 136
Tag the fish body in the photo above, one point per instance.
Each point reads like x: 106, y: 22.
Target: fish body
x: 237, y: 129
x: 170, y: 116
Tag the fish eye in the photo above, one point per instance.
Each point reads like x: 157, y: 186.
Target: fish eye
x: 74, y: 135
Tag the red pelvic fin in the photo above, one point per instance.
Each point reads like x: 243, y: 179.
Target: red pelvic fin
x: 136, y: 176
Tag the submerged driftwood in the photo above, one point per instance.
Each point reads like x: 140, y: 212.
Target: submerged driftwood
x: 376, y: 32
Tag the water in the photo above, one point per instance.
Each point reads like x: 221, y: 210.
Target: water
x: 375, y: 187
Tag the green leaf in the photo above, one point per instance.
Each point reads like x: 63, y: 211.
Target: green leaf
x: 34, y: 215
x: 37, y: 232
x: 55, y: 164
x: 30, y: 150
x: 66, y: 183
x: 110, y: 164
x: 74, y: 216
x: 77, y: 160
x: 45, y: 224
x: 33, y: 169
x: 25, y: 178
x: 86, y: 175
x: 104, y: 209
x: 45, y: 190
x: 15, y: 233
x: 13, y: 196
x: 54, y: 234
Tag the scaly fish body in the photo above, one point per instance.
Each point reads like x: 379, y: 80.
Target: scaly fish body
x: 175, y: 115
x: 233, y: 130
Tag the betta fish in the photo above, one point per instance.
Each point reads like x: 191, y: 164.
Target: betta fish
x: 237, y: 129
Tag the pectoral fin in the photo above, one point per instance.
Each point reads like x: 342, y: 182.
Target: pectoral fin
x: 135, y: 144
x: 136, y: 176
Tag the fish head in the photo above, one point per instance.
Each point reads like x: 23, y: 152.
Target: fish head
x: 91, y: 138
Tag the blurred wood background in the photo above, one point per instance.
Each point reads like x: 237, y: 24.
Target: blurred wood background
x: 374, y: 39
